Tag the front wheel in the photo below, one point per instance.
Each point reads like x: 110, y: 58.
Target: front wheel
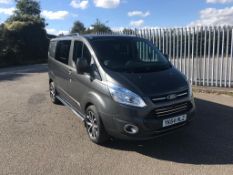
x: 53, y: 93
x: 94, y: 126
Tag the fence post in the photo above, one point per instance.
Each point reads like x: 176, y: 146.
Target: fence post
x: 192, y: 65
x: 231, y: 57
x: 200, y: 60
x: 196, y: 57
x: 189, y: 48
x: 181, y: 49
x: 185, y: 49
x: 204, y: 59
x: 226, y: 57
x: 170, y: 44
x: 163, y: 40
x: 174, y: 43
x: 222, y: 56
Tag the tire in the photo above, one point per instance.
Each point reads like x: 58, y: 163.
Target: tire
x: 53, y: 93
x: 95, y: 127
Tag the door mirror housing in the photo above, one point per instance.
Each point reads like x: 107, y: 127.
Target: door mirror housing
x: 82, y: 65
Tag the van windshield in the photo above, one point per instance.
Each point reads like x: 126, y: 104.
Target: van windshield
x: 129, y: 54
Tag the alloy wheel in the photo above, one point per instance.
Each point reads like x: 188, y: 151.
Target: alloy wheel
x: 92, y: 125
x: 52, y: 91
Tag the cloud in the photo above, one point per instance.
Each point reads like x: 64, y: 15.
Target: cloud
x: 6, y: 1
x: 82, y: 4
x: 7, y: 11
x: 138, y: 13
x: 213, y: 16
x: 138, y: 23
x: 219, y: 1
x: 107, y: 3
x: 56, y: 32
x: 55, y: 15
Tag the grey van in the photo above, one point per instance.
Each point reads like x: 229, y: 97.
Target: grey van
x: 119, y: 86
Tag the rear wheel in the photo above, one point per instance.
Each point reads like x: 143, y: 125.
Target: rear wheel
x: 53, y: 93
x: 94, y: 126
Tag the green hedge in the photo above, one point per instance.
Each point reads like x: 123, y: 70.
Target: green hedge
x: 22, y: 43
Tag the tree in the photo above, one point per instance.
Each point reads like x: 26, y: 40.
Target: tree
x: 24, y: 36
x: 28, y: 7
x: 27, y: 11
x: 78, y: 27
x: 99, y: 27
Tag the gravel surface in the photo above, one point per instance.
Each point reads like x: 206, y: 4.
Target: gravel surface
x: 37, y: 137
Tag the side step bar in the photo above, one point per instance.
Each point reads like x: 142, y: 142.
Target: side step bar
x: 79, y: 115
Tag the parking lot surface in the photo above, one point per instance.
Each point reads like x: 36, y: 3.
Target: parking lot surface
x: 37, y: 137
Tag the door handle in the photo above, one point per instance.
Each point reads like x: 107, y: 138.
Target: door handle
x: 70, y: 72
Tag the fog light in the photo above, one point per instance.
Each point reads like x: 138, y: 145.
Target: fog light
x: 131, y: 129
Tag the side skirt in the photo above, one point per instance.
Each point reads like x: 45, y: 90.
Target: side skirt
x: 78, y: 114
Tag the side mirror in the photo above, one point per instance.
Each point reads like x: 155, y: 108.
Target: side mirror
x: 82, y: 65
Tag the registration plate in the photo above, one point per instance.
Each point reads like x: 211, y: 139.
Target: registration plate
x: 174, y: 120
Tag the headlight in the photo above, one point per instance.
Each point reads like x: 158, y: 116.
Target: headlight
x: 125, y: 96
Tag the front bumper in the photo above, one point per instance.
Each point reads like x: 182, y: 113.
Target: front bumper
x: 149, y: 126
x: 145, y: 134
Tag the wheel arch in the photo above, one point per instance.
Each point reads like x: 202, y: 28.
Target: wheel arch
x: 93, y: 98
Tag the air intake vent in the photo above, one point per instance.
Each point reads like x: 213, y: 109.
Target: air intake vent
x: 172, y: 110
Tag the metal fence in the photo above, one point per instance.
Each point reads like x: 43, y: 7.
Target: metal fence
x: 203, y: 54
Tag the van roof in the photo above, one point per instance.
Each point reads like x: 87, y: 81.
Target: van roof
x: 92, y: 36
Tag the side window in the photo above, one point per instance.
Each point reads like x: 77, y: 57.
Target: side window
x: 92, y: 66
x: 86, y: 54
x: 52, y: 48
x: 78, y: 49
x: 62, y: 51
x: 81, y: 51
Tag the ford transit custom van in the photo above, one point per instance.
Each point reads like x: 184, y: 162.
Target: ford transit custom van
x: 119, y: 86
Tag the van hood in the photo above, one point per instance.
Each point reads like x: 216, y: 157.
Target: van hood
x: 151, y: 84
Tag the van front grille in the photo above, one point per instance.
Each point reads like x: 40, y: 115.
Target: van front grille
x: 170, y: 97
x: 172, y: 110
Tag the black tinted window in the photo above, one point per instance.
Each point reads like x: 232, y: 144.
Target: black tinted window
x: 63, y: 50
x: 52, y: 48
x: 78, y: 48
x: 129, y: 54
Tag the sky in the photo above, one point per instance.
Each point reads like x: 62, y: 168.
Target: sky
x: 61, y: 14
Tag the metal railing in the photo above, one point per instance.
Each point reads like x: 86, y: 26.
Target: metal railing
x: 203, y: 54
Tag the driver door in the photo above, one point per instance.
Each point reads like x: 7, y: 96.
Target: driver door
x: 78, y: 82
